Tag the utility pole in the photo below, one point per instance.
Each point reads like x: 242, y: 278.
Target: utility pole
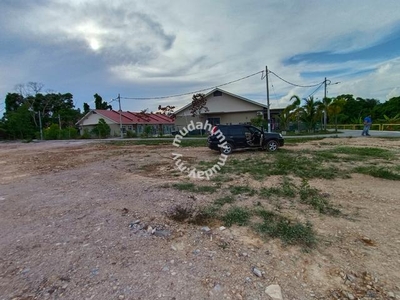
x: 120, y: 116
x: 40, y: 126
x: 324, y: 101
x: 59, y: 121
x: 268, y: 110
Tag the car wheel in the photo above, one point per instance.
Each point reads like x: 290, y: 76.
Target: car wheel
x: 272, y: 146
x: 227, y: 149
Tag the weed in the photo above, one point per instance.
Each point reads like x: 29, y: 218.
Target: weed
x: 366, y: 152
x: 292, y: 233
x: 380, y: 172
x: 286, y: 190
x: 236, y: 190
x: 204, y: 215
x: 312, y: 197
x: 180, y: 213
x: 191, y: 187
x: 236, y: 215
x: 224, y: 200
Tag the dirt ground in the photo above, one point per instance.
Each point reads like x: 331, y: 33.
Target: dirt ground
x: 75, y: 218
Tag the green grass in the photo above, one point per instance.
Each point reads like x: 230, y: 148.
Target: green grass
x: 312, y: 197
x: 287, y: 189
x: 366, y: 152
x: 380, y: 172
x: 191, y: 187
x: 290, y: 232
x: 224, y: 200
x: 241, y: 189
x: 236, y: 215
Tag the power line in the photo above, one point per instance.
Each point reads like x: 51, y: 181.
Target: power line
x: 194, y: 92
x: 294, y: 84
x: 316, y: 89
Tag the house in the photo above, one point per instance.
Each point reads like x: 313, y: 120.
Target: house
x: 226, y: 108
x: 131, y: 121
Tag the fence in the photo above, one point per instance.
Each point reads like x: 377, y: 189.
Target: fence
x: 380, y: 127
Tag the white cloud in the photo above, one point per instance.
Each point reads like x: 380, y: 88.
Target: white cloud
x: 157, y: 47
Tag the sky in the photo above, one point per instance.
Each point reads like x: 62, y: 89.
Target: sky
x: 149, y: 49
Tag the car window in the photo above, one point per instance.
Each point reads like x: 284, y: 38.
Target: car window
x: 236, y: 130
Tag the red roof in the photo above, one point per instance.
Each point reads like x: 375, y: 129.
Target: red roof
x: 134, y: 117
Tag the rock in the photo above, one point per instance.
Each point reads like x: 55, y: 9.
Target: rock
x: 205, y: 229
x: 350, y: 277
x: 248, y: 279
x: 257, y: 272
x: 350, y: 296
x: 222, y: 228
x: 391, y: 295
x: 149, y: 229
x: 162, y: 233
x: 197, y: 251
x: 274, y: 291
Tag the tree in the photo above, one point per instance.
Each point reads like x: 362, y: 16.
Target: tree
x: 309, y: 113
x: 323, y: 109
x: 199, y: 102
x: 102, y: 129
x: 99, y: 103
x: 86, y: 108
x: 335, y: 109
x: 290, y: 112
x: 165, y: 110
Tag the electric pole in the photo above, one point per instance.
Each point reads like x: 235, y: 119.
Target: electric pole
x: 268, y: 110
x: 324, y: 101
x: 120, y: 116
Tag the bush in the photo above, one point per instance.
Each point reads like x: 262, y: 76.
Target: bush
x: 131, y: 134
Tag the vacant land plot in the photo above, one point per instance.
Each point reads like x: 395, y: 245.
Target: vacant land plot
x: 118, y: 220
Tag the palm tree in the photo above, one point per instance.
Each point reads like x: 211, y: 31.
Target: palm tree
x: 335, y: 108
x: 287, y: 114
x: 309, y: 113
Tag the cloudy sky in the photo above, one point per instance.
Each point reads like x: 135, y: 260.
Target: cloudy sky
x: 148, y: 48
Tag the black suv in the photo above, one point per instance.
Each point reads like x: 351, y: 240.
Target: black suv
x: 226, y: 138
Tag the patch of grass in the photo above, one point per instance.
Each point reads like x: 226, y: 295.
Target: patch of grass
x: 236, y: 215
x: 220, y: 178
x: 292, y: 233
x: 191, y: 187
x: 366, y: 152
x: 242, y: 189
x: 302, y: 140
x: 287, y: 189
x: 380, y: 172
x: 312, y: 197
x: 224, y: 200
x: 204, y: 216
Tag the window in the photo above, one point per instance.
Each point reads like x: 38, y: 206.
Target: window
x: 214, y: 121
x: 236, y: 130
x: 130, y: 127
x: 217, y: 93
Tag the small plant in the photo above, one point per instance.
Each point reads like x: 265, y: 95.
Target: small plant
x: 236, y: 215
x: 312, y: 197
x: 180, y: 213
x: 191, y: 187
x: 379, y: 172
x: 290, y: 232
x: 236, y: 190
x: 224, y: 200
x: 287, y: 189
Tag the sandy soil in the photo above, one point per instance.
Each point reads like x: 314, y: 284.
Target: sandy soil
x: 68, y: 230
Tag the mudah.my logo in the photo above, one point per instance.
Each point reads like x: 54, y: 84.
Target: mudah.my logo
x: 193, y: 172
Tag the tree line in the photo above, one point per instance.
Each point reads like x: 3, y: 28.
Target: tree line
x: 30, y: 109
x: 343, y: 109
